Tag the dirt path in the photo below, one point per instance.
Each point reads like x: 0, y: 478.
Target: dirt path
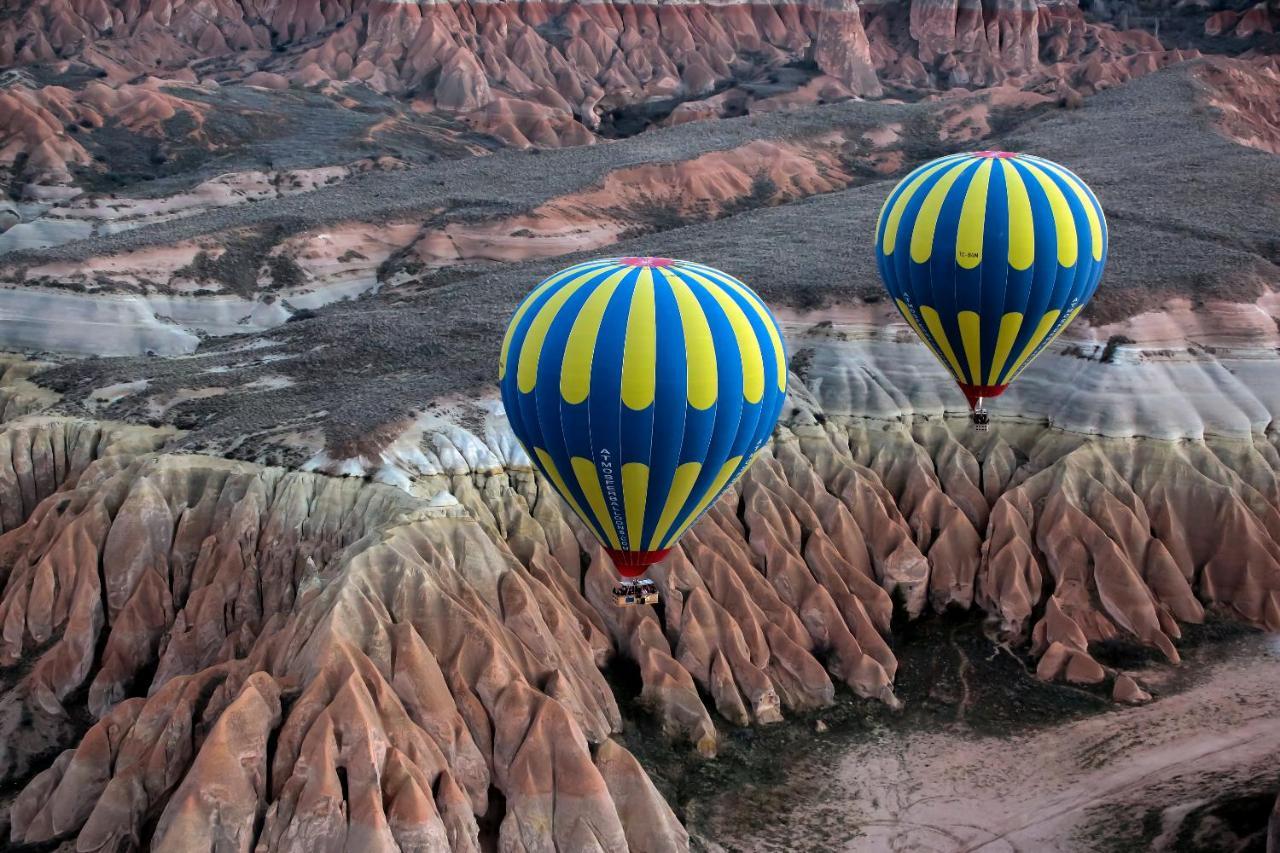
x: 1122, y: 780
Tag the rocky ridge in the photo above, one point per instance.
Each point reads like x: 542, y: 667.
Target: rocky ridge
x: 525, y: 73
x: 375, y: 627
x: 397, y: 655
x: 248, y: 251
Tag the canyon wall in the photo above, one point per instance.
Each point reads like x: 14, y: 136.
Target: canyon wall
x: 278, y: 577
x: 524, y: 74
x: 248, y: 655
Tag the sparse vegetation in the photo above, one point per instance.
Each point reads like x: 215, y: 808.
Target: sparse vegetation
x: 1113, y: 343
x: 801, y: 361
x: 236, y: 266
x: 284, y: 271
x: 807, y: 297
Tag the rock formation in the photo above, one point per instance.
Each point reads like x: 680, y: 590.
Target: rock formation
x: 279, y: 577
x: 525, y: 74
x: 248, y: 250
x: 397, y: 660
x: 1262, y: 17
x: 343, y: 660
x: 1273, y: 832
x: 974, y: 42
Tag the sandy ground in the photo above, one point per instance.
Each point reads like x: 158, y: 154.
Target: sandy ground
x: 1121, y: 780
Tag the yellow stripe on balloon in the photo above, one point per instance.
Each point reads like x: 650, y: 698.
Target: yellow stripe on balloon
x: 748, y: 344
x: 1064, y: 222
x: 1010, y: 325
x: 927, y: 219
x: 779, y: 354
x: 884, y: 209
x: 915, y: 327
x: 699, y: 347
x: 579, y: 352
x: 971, y: 336
x: 553, y: 473
x: 681, y: 485
x: 1090, y: 208
x: 1022, y: 226
x: 934, y: 323
x: 1070, y: 319
x: 726, y: 471
x: 531, y: 350
x: 589, y: 479
x: 635, y: 492
x: 1058, y: 330
x: 1067, y: 322
x: 904, y: 198
x: 1042, y: 330
x: 640, y: 351
x: 973, y: 218
x: 531, y: 299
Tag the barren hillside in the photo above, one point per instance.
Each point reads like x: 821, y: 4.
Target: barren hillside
x: 276, y: 574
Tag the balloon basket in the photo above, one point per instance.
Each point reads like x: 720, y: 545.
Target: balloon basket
x: 980, y: 417
x: 629, y: 592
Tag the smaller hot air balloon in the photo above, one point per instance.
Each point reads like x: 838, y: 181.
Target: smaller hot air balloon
x: 641, y: 388
x: 988, y: 256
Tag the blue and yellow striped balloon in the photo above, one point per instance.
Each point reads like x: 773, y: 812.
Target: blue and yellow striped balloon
x: 641, y: 388
x: 989, y: 256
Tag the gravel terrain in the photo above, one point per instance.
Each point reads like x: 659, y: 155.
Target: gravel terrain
x: 1191, y: 214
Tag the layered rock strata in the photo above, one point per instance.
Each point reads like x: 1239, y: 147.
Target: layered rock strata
x: 343, y: 660
x: 525, y: 73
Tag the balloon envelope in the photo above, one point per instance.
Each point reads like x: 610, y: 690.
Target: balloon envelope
x: 641, y: 388
x: 989, y: 256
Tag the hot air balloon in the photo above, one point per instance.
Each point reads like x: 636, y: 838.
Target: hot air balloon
x: 641, y: 388
x: 989, y: 255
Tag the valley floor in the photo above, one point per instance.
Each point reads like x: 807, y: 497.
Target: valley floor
x: 1189, y: 771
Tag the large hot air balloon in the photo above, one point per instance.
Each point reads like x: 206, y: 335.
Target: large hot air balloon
x: 641, y: 388
x: 989, y: 256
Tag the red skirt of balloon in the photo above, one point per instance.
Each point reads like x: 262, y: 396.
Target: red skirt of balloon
x: 973, y: 392
x: 632, y: 564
